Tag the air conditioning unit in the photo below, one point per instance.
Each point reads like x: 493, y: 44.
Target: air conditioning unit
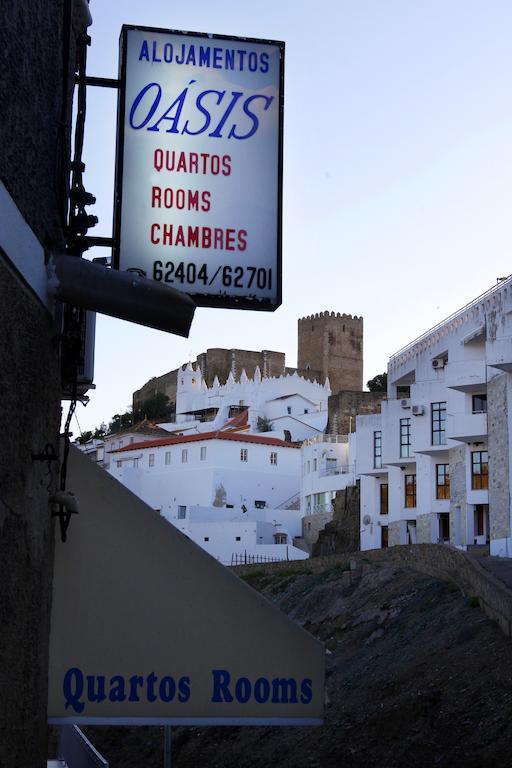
x: 405, y: 403
x: 418, y: 410
x: 438, y: 362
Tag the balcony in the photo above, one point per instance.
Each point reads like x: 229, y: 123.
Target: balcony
x: 499, y: 353
x: 466, y: 375
x: 467, y: 427
x: 332, y: 467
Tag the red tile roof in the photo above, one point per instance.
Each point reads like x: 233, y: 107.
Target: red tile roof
x: 218, y: 435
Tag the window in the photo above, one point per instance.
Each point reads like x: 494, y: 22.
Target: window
x: 206, y: 538
x: 306, y: 410
x: 119, y: 464
x: 308, y: 505
x: 410, y: 491
x: 184, y: 456
x: 243, y: 454
x: 479, y: 404
x: 280, y: 538
x: 273, y: 458
x: 182, y: 512
x: 384, y: 536
x: 331, y: 467
x: 120, y: 443
x: 442, y: 481
x: 288, y: 409
x: 151, y: 459
x: 135, y: 463
x: 479, y: 470
x: 237, y: 538
x: 308, y: 467
x: 315, y: 465
x: 167, y: 457
x: 203, y: 453
x: 384, y: 499
x: 377, y: 449
x: 438, y: 420
x: 259, y: 504
x: 405, y: 438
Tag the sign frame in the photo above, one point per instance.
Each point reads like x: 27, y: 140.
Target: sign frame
x: 222, y: 299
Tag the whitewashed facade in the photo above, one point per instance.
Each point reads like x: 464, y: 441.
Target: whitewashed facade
x: 230, y: 491
x: 436, y: 465
x: 292, y: 407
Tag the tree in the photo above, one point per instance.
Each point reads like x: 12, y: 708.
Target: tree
x: 155, y: 407
x: 264, y: 425
x: 100, y: 432
x: 84, y: 437
x: 378, y: 383
x: 120, y: 421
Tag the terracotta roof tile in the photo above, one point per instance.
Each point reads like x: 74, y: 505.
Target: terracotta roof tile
x: 218, y: 435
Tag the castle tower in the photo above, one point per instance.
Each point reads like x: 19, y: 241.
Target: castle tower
x: 331, y: 345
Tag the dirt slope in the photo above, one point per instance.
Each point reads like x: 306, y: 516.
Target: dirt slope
x: 416, y: 676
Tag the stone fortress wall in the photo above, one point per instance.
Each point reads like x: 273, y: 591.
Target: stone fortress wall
x: 330, y: 345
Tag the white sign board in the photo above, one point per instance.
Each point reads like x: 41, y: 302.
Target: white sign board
x: 199, y: 165
x: 147, y: 628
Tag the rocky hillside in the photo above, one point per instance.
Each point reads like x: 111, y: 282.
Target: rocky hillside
x: 417, y: 676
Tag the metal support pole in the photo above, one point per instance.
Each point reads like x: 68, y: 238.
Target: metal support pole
x: 167, y: 746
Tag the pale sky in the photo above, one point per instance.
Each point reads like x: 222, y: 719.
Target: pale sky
x: 397, y: 172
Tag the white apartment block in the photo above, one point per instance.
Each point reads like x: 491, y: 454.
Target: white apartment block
x: 436, y: 464
x: 233, y: 493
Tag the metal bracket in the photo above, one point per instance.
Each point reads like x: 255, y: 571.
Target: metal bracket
x: 100, y: 82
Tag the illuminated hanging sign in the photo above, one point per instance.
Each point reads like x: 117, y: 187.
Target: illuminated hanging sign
x: 199, y: 165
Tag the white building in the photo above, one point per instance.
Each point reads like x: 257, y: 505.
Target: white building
x: 99, y: 450
x: 436, y: 465
x: 325, y: 470
x: 292, y: 407
x: 235, y: 494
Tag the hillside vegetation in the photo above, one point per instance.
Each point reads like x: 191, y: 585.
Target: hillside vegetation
x: 417, y: 676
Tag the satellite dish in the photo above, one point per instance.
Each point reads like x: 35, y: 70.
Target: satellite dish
x: 367, y: 520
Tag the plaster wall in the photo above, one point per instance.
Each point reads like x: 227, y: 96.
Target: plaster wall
x: 34, y: 143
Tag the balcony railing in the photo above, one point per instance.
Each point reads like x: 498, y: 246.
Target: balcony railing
x: 326, y: 470
x: 319, y: 509
x: 436, y: 327
x: 326, y: 439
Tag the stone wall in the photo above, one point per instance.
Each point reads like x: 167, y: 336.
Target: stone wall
x: 498, y: 444
x: 394, y: 534
x: 165, y: 384
x: 216, y: 362
x: 341, y: 534
x: 219, y: 362
x: 311, y: 527
x: 333, y: 344
x: 344, y: 406
x: 436, y: 560
x: 424, y: 529
x: 34, y: 147
x: 458, y: 506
